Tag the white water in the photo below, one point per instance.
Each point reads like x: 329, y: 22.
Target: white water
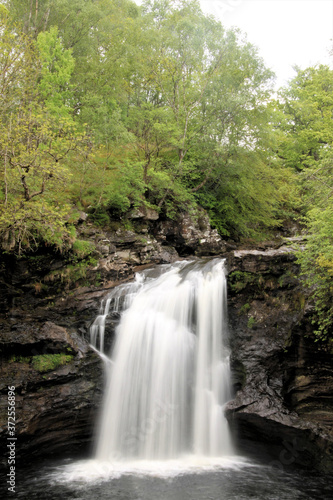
x: 169, y: 376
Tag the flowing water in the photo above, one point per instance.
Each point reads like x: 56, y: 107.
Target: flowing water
x: 162, y: 434
x: 169, y: 373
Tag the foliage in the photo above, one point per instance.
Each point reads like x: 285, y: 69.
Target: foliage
x: 35, y: 139
x: 158, y: 106
x: 306, y: 145
x: 306, y: 118
x: 238, y: 280
x: 316, y: 261
x: 106, y: 106
x: 57, y: 66
x: 20, y: 359
x: 44, y: 362
x: 82, y: 248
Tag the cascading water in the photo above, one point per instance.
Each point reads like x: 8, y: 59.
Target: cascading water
x: 169, y: 376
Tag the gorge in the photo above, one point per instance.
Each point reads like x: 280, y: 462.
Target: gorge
x: 281, y: 379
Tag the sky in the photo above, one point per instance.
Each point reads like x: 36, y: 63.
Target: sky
x: 286, y: 32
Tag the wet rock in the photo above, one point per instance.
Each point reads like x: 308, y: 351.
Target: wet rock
x: 56, y: 411
x: 283, y: 382
x: 151, y: 214
x: 104, y: 250
x: 168, y: 255
x: 124, y: 238
x: 191, y: 235
x: 258, y: 261
x: 29, y: 338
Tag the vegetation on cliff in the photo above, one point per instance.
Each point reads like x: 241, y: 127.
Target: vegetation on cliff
x: 107, y: 106
x: 306, y: 146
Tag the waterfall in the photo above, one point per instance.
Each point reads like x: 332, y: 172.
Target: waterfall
x: 169, y: 376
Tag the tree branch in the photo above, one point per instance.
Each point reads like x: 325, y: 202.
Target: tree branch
x: 194, y: 190
x: 27, y: 194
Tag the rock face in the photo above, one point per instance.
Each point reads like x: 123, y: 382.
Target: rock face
x: 191, y: 235
x: 58, y: 384
x: 283, y: 381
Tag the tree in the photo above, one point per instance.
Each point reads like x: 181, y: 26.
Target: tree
x: 316, y: 259
x: 196, y: 108
x: 36, y: 135
x: 307, y: 106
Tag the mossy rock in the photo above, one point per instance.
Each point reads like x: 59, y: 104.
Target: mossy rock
x: 48, y: 362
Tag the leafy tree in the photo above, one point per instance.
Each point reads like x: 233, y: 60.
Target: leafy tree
x: 35, y: 137
x: 196, y: 109
x: 57, y: 66
x: 307, y: 106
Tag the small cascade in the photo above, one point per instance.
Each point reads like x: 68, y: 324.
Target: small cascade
x: 118, y: 300
x: 169, y: 375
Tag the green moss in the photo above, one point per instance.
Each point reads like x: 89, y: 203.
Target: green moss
x: 82, y: 248
x: 251, y: 322
x: 244, y: 309
x: 48, y: 362
x: 20, y: 359
x: 238, y: 280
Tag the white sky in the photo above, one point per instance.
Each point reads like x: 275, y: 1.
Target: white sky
x: 287, y: 32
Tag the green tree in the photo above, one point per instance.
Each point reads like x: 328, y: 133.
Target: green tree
x: 175, y: 109
x: 35, y: 138
x: 198, y: 111
x: 57, y: 65
x: 307, y: 107
x: 316, y: 259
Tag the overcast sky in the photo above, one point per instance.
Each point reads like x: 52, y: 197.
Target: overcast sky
x: 287, y: 32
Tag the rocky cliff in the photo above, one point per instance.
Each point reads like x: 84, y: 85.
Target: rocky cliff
x: 282, y: 379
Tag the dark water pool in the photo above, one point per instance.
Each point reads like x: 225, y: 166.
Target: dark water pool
x: 237, y: 479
